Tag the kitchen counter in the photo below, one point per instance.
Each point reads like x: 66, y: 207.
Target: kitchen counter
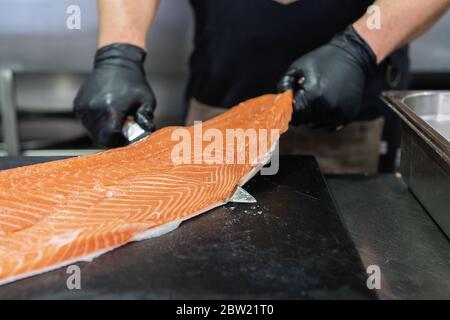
x: 296, y: 242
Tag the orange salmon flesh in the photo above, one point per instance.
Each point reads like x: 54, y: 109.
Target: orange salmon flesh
x: 58, y: 213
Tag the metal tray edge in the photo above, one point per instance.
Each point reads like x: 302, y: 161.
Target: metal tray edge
x: 394, y: 100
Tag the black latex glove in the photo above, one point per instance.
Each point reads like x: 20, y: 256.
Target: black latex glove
x: 328, y: 83
x: 116, y: 89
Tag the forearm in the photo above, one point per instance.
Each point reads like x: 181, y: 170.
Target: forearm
x: 125, y: 21
x: 401, y: 22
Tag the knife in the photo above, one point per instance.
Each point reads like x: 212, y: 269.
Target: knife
x: 133, y: 131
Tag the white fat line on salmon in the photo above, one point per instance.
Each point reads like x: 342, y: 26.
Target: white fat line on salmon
x: 65, y: 238
x: 230, y: 146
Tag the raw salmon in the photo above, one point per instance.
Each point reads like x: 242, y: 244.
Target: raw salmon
x: 58, y: 213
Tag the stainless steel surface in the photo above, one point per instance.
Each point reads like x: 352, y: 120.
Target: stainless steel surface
x: 42, y: 132
x: 44, y: 92
x: 391, y: 230
x: 425, y: 163
x: 433, y: 108
x: 9, y: 113
x: 46, y: 99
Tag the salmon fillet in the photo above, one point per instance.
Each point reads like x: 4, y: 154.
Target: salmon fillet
x: 58, y: 213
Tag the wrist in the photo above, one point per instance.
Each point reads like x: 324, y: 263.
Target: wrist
x: 125, y: 51
x: 351, y: 42
x: 373, y: 38
x: 106, y: 40
x: 365, y: 53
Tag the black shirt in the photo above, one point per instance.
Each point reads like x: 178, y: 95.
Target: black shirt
x: 242, y: 47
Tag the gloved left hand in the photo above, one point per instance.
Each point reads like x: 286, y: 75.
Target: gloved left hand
x: 328, y: 83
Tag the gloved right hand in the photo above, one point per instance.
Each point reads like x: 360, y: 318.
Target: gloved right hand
x: 116, y: 89
x: 329, y: 82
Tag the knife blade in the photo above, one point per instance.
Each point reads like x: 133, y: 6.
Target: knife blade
x: 242, y: 196
x: 133, y: 131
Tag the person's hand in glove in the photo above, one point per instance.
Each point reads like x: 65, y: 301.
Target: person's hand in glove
x: 328, y: 83
x: 116, y: 89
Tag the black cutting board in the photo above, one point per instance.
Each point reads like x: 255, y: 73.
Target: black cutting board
x: 289, y: 245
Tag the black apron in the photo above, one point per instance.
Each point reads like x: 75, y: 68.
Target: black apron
x: 243, y: 47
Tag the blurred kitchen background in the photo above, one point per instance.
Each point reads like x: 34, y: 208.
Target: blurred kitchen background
x: 42, y: 64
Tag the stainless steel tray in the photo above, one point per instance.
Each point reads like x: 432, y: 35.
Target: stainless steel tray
x: 425, y: 162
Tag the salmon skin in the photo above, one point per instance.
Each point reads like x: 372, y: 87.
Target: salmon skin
x: 58, y: 213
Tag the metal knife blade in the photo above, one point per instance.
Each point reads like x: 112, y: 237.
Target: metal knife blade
x: 242, y: 196
x: 133, y: 131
